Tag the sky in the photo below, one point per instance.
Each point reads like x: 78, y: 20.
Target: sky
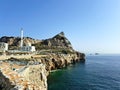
x: 91, y: 25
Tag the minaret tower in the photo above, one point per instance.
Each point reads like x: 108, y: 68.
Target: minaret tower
x: 21, y: 43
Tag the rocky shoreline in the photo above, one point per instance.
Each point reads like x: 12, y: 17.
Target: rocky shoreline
x: 31, y: 74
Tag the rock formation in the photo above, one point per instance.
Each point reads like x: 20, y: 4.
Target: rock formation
x: 31, y: 77
x: 31, y: 74
x: 58, y: 41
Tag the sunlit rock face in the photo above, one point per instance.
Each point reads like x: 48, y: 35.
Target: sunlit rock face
x: 32, y: 77
x: 58, y: 41
x: 36, y: 75
x: 31, y: 73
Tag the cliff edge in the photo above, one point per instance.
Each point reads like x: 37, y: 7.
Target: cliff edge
x: 31, y: 73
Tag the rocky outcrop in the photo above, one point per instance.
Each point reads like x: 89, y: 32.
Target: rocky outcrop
x: 58, y: 61
x: 58, y: 41
x: 36, y: 75
x: 32, y: 77
x: 31, y: 74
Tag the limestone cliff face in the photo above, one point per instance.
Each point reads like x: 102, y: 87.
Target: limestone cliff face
x: 58, y: 61
x: 36, y: 75
x: 32, y: 77
x: 31, y: 74
x: 58, y: 41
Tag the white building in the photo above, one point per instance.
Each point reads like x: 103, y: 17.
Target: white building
x: 28, y: 48
x: 3, y: 47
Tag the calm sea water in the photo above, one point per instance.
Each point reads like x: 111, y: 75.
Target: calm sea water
x: 97, y: 73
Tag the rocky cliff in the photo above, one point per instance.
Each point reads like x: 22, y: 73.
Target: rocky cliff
x: 58, y: 61
x: 31, y: 74
x: 30, y: 77
x: 58, y: 41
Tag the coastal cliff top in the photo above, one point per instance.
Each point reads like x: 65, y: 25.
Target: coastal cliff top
x: 58, y: 41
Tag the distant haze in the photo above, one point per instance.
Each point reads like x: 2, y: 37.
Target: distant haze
x: 91, y: 25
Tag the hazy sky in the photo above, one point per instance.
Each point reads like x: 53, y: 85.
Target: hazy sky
x: 90, y: 25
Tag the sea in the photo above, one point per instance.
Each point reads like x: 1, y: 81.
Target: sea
x: 98, y: 72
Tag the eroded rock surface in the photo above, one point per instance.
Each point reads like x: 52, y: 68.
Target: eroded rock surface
x: 31, y: 74
x: 31, y: 77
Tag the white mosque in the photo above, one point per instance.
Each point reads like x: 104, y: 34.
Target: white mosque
x: 28, y: 47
